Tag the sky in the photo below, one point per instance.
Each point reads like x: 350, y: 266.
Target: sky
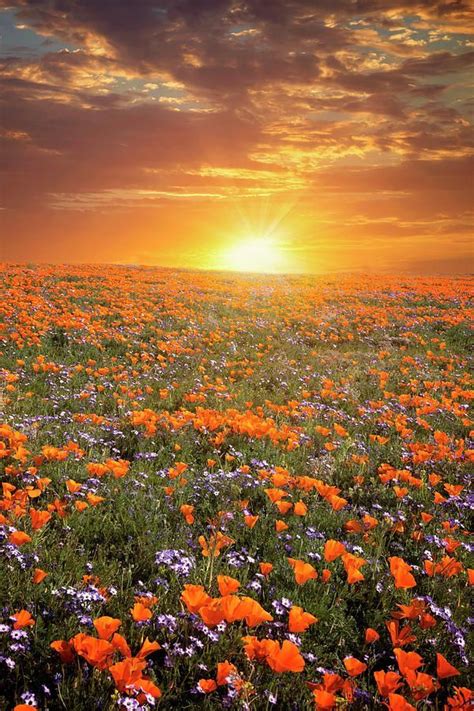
x: 269, y: 135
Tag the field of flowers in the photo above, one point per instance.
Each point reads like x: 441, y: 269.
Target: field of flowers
x: 231, y: 491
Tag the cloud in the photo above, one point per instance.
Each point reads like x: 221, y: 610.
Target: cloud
x: 359, y: 107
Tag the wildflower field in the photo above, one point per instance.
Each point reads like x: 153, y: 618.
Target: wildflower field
x: 234, y: 491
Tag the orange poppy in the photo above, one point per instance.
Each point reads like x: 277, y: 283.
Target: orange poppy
x: 444, y: 669
x: 407, y: 661
x: 325, y: 575
x: 64, y: 649
x: 39, y: 519
x: 73, y: 486
x: 194, y: 597
x: 286, y: 658
x: 371, y: 635
x: 401, y: 573
x: 39, y: 575
x: 265, y: 568
x: 22, y: 619
x: 19, y: 538
x: 461, y: 699
x: 252, y: 612
x: 396, y: 702
x: 421, y: 685
x: 212, y: 613
x: 226, y: 670
x: 400, y: 637
x: 250, y: 521
x: 120, y: 643
x: 352, y: 563
x: 148, y: 648
x: 207, y: 685
x: 354, y: 666
x: 324, y: 699
x: 95, y: 651
x: 227, y: 585
x: 127, y: 673
x: 333, y: 549
x: 303, y: 571
x: 188, y: 512
x: 299, y: 621
x: 106, y: 626
x: 300, y: 508
x: 140, y: 612
x: 387, y: 682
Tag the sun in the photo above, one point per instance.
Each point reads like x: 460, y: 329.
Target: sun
x: 254, y: 254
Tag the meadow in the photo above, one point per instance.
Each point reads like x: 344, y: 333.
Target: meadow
x: 234, y: 491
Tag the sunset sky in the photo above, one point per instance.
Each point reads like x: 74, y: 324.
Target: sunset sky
x: 302, y: 135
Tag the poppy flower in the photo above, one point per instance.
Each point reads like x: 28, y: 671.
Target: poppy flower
x: 207, y: 686
x: 284, y: 506
x: 188, y: 512
x: 411, y: 611
x: 64, y: 649
x: 148, y: 648
x: 300, y: 509
x: 258, y: 649
x: 216, y: 542
x: 333, y: 549
x: 149, y: 689
x: 352, y: 563
x: 401, y: 573
x: 127, y: 673
x: 212, y: 613
x: 25, y: 707
x: 286, y: 658
x: 140, y: 612
x: 73, y: 486
x: 337, y: 502
x: 230, y: 606
x: 299, y: 621
x: 444, y: 669
x: 302, y: 571
x: 194, y: 597
x: 250, y: 521
x: 252, y: 612
x: 396, y: 702
x: 387, y: 682
x: 265, y: 568
x: 39, y: 575
x: 22, y: 619
x: 371, y: 635
x: 227, y: 585
x: 225, y: 670
x: 106, y: 626
x: 407, y: 661
x: 94, y: 500
x: 354, y: 666
x: 39, y: 519
x: 461, y: 699
x: 119, y: 643
x: 280, y: 526
x: 19, y: 538
x: 400, y: 637
x: 95, y: 651
x: 421, y: 684
x: 427, y: 621
x: 324, y: 700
